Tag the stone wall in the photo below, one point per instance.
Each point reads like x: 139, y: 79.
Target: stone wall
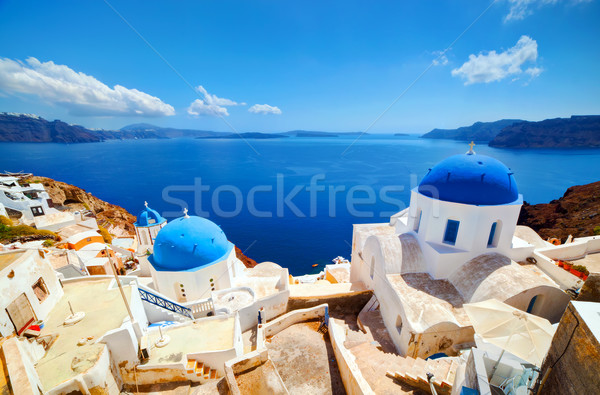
x: 575, y: 371
x: 338, y: 304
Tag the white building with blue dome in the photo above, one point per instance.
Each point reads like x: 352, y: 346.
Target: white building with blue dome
x: 149, y: 223
x: 456, y: 243
x: 465, y: 206
x: 192, y: 258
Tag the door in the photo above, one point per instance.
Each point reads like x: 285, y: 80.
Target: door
x: 20, y: 312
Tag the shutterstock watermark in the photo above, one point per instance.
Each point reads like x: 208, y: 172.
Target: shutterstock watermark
x: 312, y: 199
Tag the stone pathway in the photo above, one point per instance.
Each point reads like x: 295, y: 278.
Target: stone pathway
x: 305, y: 361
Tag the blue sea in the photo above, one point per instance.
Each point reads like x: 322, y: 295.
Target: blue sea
x: 291, y: 201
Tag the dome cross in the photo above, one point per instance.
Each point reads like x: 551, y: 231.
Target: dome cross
x: 470, y: 151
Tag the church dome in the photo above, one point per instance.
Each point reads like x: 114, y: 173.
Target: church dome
x: 470, y: 179
x: 189, y: 243
x: 148, y: 217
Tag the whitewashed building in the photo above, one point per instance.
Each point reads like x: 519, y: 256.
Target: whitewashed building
x: 192, y: 258
x: 454, y: 244
x: 149, y: 223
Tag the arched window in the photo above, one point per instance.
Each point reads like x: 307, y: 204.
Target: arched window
x: 399, y: 325
x: 494, y: 234
x: 418, y: 221
x: 372, y: 267
x: 534, y: 304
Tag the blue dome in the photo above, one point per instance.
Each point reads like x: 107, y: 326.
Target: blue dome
x: 148, y: 217
x: 188, y: 244
x: 471, y: 179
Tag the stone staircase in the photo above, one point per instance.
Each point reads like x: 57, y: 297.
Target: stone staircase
x: 389, y: 373
x: 414, y: 373
x: 202, y: 370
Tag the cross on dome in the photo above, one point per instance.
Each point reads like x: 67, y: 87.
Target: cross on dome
x: 145, y: 203
x: 185, y: 213
x: 470, y: 151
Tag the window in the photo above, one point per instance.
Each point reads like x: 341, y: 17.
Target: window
x: 372, y: 267
x: 451, y: 231
x: 531, y: 304
x: 399, y: 325
x: 418, y: 221
x: 40, y: 290
x: 37, y: 211
x: 491, y: 242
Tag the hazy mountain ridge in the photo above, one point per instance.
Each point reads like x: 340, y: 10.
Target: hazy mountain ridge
x: 479, y: 131
x: 581, y: 131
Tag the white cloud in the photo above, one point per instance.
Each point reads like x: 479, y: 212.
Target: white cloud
x: 440, y: 58
x: 82, y: 94
x: 211, y: 105
x: 519, y: 9
x: 264, y: 109
x: 497, y: 66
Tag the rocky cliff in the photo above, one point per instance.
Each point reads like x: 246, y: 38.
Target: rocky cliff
x: 577, y: 213
x: 107, y: 215
x: 574, y: 132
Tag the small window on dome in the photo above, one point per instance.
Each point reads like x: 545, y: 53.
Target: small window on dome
x: 151, y: 221
x: 451, y: 232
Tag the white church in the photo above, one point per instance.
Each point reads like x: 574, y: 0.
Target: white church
x: 454, y: 244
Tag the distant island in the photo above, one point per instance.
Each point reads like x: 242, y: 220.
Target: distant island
x: 29, y: 128
x: 314, y: 133
x: 579, y: 131
x: 479, y: 131
x: 249, y: 135
x: 574, y: 132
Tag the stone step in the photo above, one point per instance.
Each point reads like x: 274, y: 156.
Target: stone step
x: 190, y: 367
x: 199, y: 368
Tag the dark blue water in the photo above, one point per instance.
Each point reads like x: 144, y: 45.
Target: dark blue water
x: 314, y: 227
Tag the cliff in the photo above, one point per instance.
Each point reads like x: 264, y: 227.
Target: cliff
x: 107, y: 215
x: 27, y: 128
x: 576, y: 213
x: 574, y: 132
x: 479, y: 131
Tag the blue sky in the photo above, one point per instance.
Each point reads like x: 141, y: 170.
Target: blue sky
x: 276, y: 66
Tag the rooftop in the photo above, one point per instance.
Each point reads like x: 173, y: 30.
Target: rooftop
x: 590, y: 261
x: 8, y: 258
x: 211, y: 334
x: 104, y: 310
x: 431, y: 301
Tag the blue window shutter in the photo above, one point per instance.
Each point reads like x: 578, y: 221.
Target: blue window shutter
x: 451, y: 231
x: 492, y: 234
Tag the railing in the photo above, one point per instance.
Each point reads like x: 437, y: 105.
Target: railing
x: 165, y: 304
x: 202, y: 307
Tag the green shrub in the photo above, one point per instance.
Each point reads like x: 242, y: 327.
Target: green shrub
x: 5, y: 221
x: 105, y: 235
x: 10, y: 233
x: 48, y: 243
x: 597, y: 230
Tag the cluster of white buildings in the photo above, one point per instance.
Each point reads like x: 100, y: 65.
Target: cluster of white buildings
x: 181, y: 315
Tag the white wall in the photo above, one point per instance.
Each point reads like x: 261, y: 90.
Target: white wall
x: 473, y: 232
x: 197, y: 283
x: 27, y: 268
x: 273, y: 305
